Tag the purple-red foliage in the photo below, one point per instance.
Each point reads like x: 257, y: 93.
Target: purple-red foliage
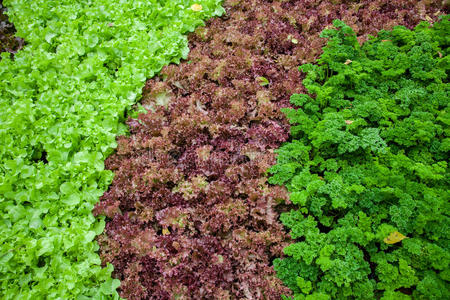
x: 191, y: 215
x: 8, y: 41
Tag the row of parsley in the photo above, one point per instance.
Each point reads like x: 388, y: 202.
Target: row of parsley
x: 368, y: 168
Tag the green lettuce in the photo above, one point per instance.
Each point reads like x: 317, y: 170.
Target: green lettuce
x: 63, y: 100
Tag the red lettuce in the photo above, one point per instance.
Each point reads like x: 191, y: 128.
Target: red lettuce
x: 190, y: 212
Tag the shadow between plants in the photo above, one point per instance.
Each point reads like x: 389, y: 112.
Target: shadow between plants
x: 190, y: 212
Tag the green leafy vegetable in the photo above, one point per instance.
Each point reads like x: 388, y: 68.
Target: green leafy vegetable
x: 263, y: 81
x: 368, y: 167
x: 62, y: 103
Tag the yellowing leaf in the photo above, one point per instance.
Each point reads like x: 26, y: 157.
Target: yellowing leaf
x: 394, y: 237
x: 165, y: 231
x: 196, y: 7
x: 262, y: 81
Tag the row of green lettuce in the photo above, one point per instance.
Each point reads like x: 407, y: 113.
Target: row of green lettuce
x: 368, y: 169
x: 63, y: 100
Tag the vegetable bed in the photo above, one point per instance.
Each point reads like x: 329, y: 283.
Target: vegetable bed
x: 192, y: 199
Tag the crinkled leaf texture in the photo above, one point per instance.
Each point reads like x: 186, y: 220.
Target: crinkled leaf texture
x: 62, y: 102
x: 190, y: 213
x: 368, y: 158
